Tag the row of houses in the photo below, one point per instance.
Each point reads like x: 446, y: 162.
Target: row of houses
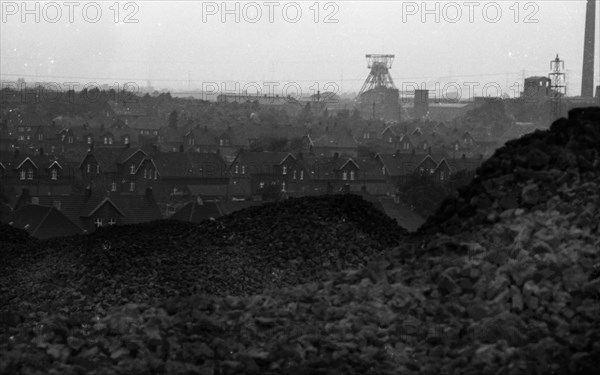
x: 133, y: 170
x: 128, y: 186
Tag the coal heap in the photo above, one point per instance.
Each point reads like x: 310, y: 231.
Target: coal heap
x: 276, y: 244
x: 525, y: 173
x: 10, y: 234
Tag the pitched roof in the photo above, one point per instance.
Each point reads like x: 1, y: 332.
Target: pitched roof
x: 134, y: 208
x: 190, y: 164
x: 370, y: 169
x: 400, y: 164
x: 196, y: 211
x: 39, y: 161
x: 261, y: 162
x: 109, y: 158
x: 43, y: 221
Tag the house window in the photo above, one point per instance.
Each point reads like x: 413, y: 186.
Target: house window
x: 243, y: 169
x: 236, y: 169
x: 345, y: 176
x: 35, y: 200
x: 390, y: 140
x: 89, y: 140
x: 146, y: 173
x: 283, y: 186
x: 98, y: 222
x: 352, y: 175
x: 150, y: 171
x: 52, y: 149
x: 70, y: 139
x: 302, y: 174
x: 132, y: 169
x: 220, y: 142
x: 57, y: 204
x: 110, y: 140
x: 132, y: 186
x: 40, y: 137
x: 112, y: 222
x: 62, y: 137
x: 105, y: 140
x: 284, y: 170
x: 22, y: 174
x: 294, y: 174
x: 261, y: 185
x: 113, y: 186
x: 126, y: 141
x: 442, y: 175
x: 30, y: 174
x: 383, y: 170
x: 406, y: 146
x: 424, y: 146
x: 28, y: 138
x: 54, y: 174
x: 89, y: 168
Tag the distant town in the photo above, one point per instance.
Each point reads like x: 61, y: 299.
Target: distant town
x: 74, y: 161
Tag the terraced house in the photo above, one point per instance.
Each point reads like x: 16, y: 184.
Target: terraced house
x: 41, y: 173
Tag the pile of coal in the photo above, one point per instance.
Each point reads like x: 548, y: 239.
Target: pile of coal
x: 526, y: 173
x: 10, y: 234
x: 269, y: 246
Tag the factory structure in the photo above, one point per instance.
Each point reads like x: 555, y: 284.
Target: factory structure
x: 379, y: 98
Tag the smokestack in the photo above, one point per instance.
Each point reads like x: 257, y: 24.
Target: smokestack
x: 587, y: 80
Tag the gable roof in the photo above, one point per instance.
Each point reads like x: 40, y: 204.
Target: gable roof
x: 349, y: 161
x: 134, y: 208
x: 106, y: 200
x: 55, y: 162
x: 400, y: 164
x: 109, y: 158
x: 43, y: 221
x: 24, y: 160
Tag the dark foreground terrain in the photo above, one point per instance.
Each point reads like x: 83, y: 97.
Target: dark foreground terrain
x: 503, y: 279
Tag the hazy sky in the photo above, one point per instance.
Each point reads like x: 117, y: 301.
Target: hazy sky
x: 181, y: 44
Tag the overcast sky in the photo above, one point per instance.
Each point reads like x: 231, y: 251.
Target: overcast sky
x: 186, y: 44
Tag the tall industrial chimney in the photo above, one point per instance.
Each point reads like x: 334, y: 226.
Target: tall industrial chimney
x: 587, y: 80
